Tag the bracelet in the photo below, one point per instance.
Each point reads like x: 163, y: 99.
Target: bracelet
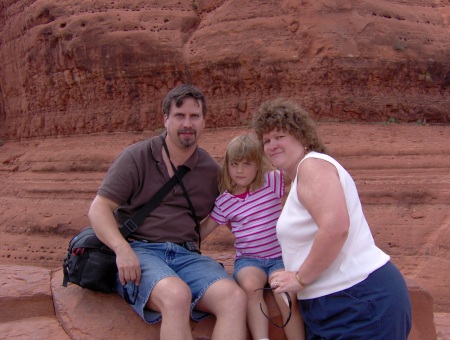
x: 299, y: 280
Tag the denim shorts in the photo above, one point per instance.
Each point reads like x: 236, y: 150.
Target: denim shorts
x: 161, y: 260
x: 268, y: 266
x: 377, y: 308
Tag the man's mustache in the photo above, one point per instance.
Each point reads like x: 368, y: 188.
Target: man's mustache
x: 187, y: 131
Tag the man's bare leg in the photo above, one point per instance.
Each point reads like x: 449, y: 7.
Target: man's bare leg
x: 172, y: 298
x: 228, y: 302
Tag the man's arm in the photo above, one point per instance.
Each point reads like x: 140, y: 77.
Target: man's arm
x: 103, y: 221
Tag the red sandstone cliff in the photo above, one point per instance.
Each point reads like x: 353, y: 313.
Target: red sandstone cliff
x: 401, y: 171
x: 70, y: 67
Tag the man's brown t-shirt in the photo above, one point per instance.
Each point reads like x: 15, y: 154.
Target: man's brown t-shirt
x: 139, y: 172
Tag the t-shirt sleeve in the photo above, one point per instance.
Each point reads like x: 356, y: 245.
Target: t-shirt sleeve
x: 217, y: 214
x: 275, y: 180
x: 121, y: 179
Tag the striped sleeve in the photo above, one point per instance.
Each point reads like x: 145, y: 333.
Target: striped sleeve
x: 275, y: 180
x: 221, y: 217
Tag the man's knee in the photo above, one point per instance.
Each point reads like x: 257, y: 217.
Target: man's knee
x: 240, y: 296
x: 234, y: 295
x: 170, y: 293
x: 223, y: 295
x: 233, y: 303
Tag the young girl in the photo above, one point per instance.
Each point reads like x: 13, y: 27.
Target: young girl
x: 250, y: 202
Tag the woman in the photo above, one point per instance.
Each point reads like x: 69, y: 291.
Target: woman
x: 346, y: 286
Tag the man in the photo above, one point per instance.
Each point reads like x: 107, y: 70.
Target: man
x: 167, y: 280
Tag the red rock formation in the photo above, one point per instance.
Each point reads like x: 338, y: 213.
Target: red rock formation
x: 71, y: 67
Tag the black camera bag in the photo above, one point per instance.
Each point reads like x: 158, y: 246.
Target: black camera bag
x: 90, y: 263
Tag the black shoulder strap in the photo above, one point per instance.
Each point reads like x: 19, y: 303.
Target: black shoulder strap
x: 131, y: 224
x: 185, y: 193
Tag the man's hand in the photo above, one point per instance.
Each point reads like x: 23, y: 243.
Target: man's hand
x: 128, y: 265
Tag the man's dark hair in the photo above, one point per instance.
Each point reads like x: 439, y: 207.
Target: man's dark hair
x: 179, y: 93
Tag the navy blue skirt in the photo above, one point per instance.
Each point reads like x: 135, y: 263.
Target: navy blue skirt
x: 377, y: 308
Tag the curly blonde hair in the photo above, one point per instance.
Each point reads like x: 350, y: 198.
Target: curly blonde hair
x: 243, y: 148
x: 286, y: 116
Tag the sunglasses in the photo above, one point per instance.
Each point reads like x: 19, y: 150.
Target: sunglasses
x: 288, y: 297
x: 134, y: 293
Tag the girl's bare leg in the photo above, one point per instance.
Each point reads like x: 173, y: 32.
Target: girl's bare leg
x: 295, y: 329
x: 251, y: 278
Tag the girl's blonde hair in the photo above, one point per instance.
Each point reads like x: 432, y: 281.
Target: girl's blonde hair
x: 243, y: 148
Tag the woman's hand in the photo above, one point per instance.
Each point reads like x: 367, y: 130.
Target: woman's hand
x: 283, y: 281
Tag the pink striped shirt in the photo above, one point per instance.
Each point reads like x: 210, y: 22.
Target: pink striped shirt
x: 253, y: 219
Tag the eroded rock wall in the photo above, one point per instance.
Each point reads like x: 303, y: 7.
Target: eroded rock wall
x: 401, y: 172
x: 72, y: 67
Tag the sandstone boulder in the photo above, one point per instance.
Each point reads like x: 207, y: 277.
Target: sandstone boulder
x: 27, y: 310
x: 35, y: 305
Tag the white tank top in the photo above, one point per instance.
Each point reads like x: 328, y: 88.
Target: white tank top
x: 358, y: 257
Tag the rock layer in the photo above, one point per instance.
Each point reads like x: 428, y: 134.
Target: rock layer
x: 71, y: 67
x: 46, y: 186
x: 401, y: 171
